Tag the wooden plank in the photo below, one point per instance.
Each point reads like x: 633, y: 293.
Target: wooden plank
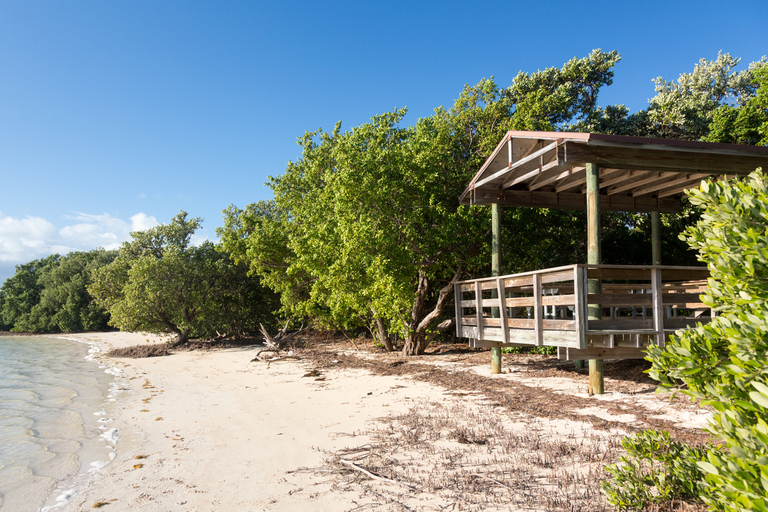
x: 644, y: 273
x: 522, y: 338
x: 551, y: 176
x: 621, y: 324
x: 603, y: 353
x: 575, y: 180
x: 479, y: 310
x: 564, y: 275
x: 649, y: 178
x: 658, y: 308
x: 458, y: 308
x: 680, y: 188
x: 502, y: 295
x: 516, y: 282
x: 671, y: 299
x: 619, y: 176
x: 658, y: 158
x: 558, y: 300
x: 522, y: 165
x: 580, y: 307
x: 538, y: 315
x: 495, y: 176
x: 523, y: 323
x: 572, y: 201
x: 619, y: 299
x: 668, y: 184
x: 542, y: 168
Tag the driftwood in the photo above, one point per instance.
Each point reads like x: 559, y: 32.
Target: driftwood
x: 276, y: 344
x: 374, y: 475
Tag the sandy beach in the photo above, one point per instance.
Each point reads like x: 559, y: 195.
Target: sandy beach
x: 212, y: 430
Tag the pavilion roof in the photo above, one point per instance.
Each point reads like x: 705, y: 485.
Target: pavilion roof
x: 547, y: 170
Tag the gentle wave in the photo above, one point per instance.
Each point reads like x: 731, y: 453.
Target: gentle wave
x: 52, y: 420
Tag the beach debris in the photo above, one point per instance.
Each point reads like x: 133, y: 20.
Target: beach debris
x: 100, y: 504
x: 139, y: 457
x: 277, y: 344
x: 374, y: 475
x: 312, y: 373
x: 138, y: 466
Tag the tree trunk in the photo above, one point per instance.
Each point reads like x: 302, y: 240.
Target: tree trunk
x: 417, y: 341
x: 415, y: 344
x: 383, y: 335
x: 181, y: 337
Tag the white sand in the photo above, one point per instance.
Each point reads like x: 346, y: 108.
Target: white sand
x: 222, y: 433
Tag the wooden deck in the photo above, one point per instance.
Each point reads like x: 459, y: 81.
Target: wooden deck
x: 636, y: 306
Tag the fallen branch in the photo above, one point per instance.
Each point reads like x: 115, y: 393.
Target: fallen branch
x: 374, y: 475
x: 280, y: 358
x: 493, y: 480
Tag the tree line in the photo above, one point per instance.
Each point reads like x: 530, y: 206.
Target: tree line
x: 365, y: 231
x: 158, y: 282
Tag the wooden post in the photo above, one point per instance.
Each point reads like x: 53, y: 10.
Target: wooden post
x: 594, y: 311
x: 656, y: 238
x: 496, y: 271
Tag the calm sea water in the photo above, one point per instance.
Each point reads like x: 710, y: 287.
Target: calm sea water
x: 53, y: 426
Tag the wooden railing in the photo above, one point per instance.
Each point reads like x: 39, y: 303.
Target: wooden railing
x: 637, y: 305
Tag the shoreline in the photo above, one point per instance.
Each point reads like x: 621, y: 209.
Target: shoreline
x: 212, y: 430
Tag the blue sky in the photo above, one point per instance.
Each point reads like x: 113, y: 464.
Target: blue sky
x: 116, y: 115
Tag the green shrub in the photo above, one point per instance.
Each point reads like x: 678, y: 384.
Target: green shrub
x: 547, y: 351
x: 656, y: 470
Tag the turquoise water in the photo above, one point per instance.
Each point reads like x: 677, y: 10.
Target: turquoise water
x: 53, y: 425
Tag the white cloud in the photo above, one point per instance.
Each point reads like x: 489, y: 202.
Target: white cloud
x: 141, y: 222
x: 19, y: 237
x: 23, y: 240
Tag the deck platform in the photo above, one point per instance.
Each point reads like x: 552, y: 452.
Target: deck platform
x: 635, y: 307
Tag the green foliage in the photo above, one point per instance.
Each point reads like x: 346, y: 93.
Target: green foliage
x: 725, y: 362
x: 713, y: 103
x: 365, y: 226
x: 684, y: 109
x: 50, y: 295
x: 160, y: 283
x: 548, y: 100
x: 21, y: 292
x: 748, y: 123
x: 655, y: 470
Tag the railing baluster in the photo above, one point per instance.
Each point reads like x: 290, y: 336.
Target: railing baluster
x: 580, y: 299
x: 501, y: 289
x: 479, y: 309
x: 658, y: 309
x: 537, y: 310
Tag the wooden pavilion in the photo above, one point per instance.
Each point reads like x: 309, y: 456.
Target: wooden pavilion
x: 591, y: 311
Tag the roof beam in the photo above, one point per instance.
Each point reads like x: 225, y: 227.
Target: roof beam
x: 517, y: 166
x: 556, y: 174
x: 511, y: 169
x: 659, y: 158
x: 574, y: 201
x: 669, y: 183
x: 576, y: 179
x: 680, y: 189
x: 525, y: 177
x: 494, y: 176
x: 620, y: 177
x: 649, y: 178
